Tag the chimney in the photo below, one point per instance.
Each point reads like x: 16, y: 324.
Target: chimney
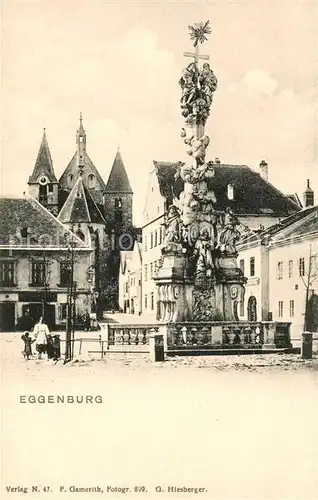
x: 263, y: 166
x: 309, y: 196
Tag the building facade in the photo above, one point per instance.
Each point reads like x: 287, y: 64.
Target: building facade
x: 281, y: 264
x: 41, y: 263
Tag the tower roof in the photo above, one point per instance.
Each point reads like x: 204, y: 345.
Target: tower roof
x: 80, y: 206
x: 118, y: 181
x: 43, y: 164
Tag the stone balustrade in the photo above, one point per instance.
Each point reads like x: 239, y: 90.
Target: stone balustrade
x: 115, y: 334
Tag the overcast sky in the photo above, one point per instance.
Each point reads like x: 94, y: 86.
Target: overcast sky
x: 119, y: 64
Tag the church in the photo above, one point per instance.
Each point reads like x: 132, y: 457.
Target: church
x: 98, y: 212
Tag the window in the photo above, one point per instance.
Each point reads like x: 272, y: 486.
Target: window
x: 230, y: 192
x: 146, y: 272
x: 146, y: 243
x: 80, y: 235
x: 146, y: 305
x: 280, y: 270
x: 152, y: 302
x: 91, y: 181
x: 6, y: 273
x: 160, y: 236
x: 242, y: 265
x: 38, y: 273
x: 24, y: 232
x: 151, y: 240
x: 290, y: 269
x: 65, y: 273
x: 252, y: 266
x: 301, y: 266
x: 280, y: 308
x: 156, y: 238
x: 63, y: 311
x: 50, y: 188
x: 291, y: 308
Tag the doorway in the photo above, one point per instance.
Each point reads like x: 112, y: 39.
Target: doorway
x: 252, y: 309
x: 7, y: 316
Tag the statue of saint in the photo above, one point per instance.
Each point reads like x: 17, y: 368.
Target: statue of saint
x: 208, y: 82
x: 229, y: 234
x: 173, y: 233
x: 188, y: 85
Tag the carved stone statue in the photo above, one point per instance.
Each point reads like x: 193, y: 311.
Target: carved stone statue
x: 188, y: 85
x: 173, y: 233
x: 229, y: 234
x: 208, y: 83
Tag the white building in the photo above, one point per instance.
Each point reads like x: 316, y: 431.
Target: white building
x: 130, y: 296
x: 280, y: 264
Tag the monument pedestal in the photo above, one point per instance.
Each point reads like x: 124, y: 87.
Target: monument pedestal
x: 174, y: 290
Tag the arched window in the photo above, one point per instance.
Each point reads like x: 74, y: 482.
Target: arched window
x: 80, y: 235
x: 252, y: 309
x: 70, y: 179
x: 91, y: 181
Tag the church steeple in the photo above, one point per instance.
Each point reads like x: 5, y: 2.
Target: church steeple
x: 43, y: 184
x: 81, y: 144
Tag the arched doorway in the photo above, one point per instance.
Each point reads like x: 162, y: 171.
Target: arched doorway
x: 252, y: 309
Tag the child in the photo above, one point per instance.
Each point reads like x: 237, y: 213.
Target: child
x: 27, y: 345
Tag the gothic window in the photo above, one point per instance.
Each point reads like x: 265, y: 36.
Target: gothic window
x: 50, y: 188
x: 43, y: 194
x: 7, y: 276
x: 118, y: 214
x: 91, y: 181
x: 70, y: 179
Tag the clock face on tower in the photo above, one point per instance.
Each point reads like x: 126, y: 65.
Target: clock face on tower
x: 43, y: 180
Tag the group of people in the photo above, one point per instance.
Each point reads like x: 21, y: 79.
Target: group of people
x: 45, y: 343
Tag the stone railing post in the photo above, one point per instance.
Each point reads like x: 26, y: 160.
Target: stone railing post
x: 156, y: 346
x: 163, y: 330
x: 306, y: 347
x: 269, y: 328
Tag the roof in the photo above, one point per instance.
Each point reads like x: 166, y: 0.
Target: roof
x: 80, y: 206
x: 26, y: 214
x: 302, y: 222
x: 118, y: 181
x: 43, y: 164
x: 253, y: 195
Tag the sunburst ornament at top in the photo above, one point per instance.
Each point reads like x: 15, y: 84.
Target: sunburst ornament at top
x: 198, y: 32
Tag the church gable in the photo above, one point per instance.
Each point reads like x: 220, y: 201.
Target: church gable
x: 91, y: 178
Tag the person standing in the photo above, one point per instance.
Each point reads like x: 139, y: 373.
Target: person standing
x: 41, y: 331
x: 27, y: 345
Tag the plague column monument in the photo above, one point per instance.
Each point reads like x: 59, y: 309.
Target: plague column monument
x: 199, y: 279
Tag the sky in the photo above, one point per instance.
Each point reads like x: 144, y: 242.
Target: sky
x: 119, y: 64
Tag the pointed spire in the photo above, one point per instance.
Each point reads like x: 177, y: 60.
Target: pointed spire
x: 118, y: 181
x: 43, y: 164
x: 81, y: 128
x: 80, y: 206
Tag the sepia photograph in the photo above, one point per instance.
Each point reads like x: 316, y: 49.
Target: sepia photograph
x: 159, y: 249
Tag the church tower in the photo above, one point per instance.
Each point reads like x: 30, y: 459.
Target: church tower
x: 43, y: 184
x: 118, y: 197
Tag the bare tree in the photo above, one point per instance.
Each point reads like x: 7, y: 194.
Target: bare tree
x: 309, y: 276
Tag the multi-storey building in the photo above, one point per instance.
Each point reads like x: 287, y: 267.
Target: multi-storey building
x: 281, y: 264
x: 41, y: 260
